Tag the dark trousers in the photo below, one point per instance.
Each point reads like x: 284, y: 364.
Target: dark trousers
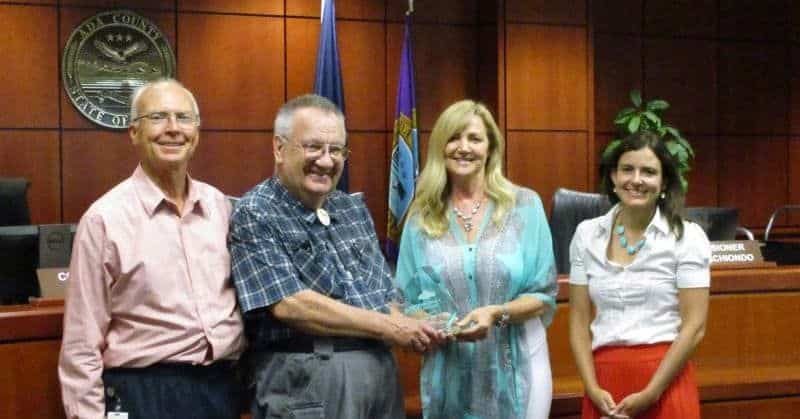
x: 173, y: 391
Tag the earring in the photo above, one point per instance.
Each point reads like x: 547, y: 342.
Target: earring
x: 663, y: 195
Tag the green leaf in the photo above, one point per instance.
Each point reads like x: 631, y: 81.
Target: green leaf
x: 636, y: 98
x: 684, y: 184
x: 672, y: 147
x: 672, y: 131
x: 657, y: 105
x: 610, y: 148
x: 682, y: 141
x: 623, y: 115
x: 633, y: 124
x: 653, y: 118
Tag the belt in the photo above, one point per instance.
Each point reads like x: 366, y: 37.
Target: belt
x: 176, y: 368
x: 306, y: 344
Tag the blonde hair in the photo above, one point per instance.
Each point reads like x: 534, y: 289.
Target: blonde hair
x: 433, y: 187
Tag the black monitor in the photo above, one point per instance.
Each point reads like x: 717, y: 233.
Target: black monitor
x: 719, y: 223
x: 19, y: 258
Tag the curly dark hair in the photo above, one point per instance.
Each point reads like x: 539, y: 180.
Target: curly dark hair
x: 672, y: 205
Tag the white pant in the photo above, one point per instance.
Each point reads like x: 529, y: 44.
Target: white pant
x: 534, y: 346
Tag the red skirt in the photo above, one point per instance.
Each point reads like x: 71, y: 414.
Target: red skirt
x: 622, y: 370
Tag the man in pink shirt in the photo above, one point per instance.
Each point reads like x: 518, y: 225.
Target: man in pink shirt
x: 151, y: 325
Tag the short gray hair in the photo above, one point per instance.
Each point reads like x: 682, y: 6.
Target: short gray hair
x: 285, y: 116
x: 137, y: 96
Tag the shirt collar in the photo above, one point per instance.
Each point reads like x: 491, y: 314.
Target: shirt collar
x: 294, y: 204
x: 152, y: 197
x: 606, y: 222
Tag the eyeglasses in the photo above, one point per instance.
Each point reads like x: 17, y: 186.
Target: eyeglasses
x: 314, y: 151
x: 184, y: 119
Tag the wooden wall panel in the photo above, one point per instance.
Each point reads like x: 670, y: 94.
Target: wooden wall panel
x: 751, y: 173
x: 424, y: 138
x: 488, y: 64
x: 617, y: 71
x: 446, y: 66
x: 71, y: 17
x: 794, y: 178
x: 697, y: 18
x: 794, y: 82
x: 265, y: 7
x: 364, y: 82
x: 607, y: 16
x: 369, y: 173
x: 753, y: 89
x: 128, y: 4
x: 233, y: 162
x: 570, y: 12
x: 364, y: 79
x: 302, y: 39
x: 353, y: 9
x: 34, y: 155
x: 30, y: 68
x: 754, y: 20
x: 547, y: 76
x: 778, y: 408
x: 704, y: 177
x: 27, y: 395
x: 683, y: 73
x: 545, y: 161
x: 42, y: 2
x: 766, y: 341
x: 93, y: 161
x: 435, y: 11
x: 240, y: 82
x: 561, y: 360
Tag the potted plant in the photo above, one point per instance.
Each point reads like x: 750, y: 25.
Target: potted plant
x: 646, y: 116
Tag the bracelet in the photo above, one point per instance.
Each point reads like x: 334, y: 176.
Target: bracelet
x: 505, y: 317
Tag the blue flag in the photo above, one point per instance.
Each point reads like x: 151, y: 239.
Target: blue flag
x: 405, y: 148
x: 328, y: 77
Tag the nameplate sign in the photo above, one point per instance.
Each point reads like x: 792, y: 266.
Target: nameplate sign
x: 736, y: 252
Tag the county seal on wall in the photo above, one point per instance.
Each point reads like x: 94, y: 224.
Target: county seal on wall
x: 106, y: 58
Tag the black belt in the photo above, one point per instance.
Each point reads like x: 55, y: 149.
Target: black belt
x: 176, y: 368
x: 305, y: 344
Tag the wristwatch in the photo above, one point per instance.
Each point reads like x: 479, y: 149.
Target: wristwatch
x: 505, y: 317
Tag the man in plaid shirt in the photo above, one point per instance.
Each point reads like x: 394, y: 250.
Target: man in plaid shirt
x: 312, y: 283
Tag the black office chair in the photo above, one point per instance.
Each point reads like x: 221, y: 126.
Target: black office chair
x: 719, y: 223
x: 14, y: 202
x: 782, y: 252
x: 569, y: 209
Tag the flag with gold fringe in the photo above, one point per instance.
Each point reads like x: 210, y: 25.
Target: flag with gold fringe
x: 405, y: 147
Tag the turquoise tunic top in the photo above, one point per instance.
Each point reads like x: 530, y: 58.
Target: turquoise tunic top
x: 485, y: 379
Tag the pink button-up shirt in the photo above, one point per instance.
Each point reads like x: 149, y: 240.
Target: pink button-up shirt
x: 147, y: 285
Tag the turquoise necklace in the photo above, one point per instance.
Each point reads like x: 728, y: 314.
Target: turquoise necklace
x: 623, y: 241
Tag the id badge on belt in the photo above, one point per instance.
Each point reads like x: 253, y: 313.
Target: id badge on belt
x: 112, y: 398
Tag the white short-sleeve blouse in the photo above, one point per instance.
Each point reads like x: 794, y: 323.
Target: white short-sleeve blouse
x: 638, y: 303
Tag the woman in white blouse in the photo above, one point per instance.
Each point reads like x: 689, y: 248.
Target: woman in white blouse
x: 646, y: 271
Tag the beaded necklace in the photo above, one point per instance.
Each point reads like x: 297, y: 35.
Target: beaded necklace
x: 467, y: 218
x: 623, y: 241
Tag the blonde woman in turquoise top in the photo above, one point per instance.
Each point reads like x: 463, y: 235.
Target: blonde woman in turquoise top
x: 476, y: 255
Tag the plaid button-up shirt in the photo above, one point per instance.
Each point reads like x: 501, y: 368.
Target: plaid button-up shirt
x: 279, y: 247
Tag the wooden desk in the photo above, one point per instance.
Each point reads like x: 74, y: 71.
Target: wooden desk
x: 30, y: 338
x: 748, y: 364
